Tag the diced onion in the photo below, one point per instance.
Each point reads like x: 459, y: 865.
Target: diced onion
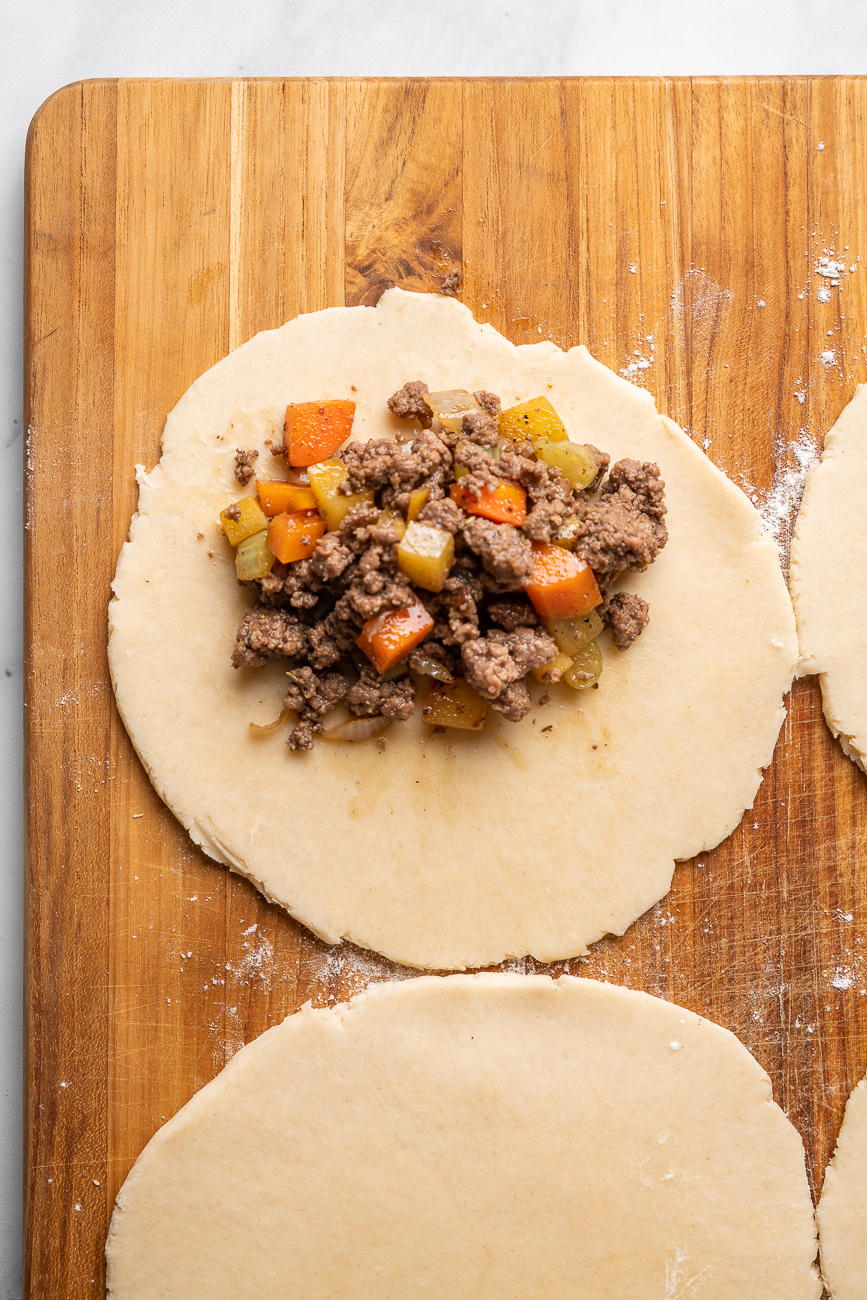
x: 358, y: 729
x: 430, y: 667
x: 265, y: 729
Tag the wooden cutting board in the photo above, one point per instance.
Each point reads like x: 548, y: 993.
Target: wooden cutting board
x: 674, y: 226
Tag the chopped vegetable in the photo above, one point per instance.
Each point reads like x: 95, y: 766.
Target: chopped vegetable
x: 268, y: 728
x: 572, y: 458
x: 242, y: 519
x: 450, y: 407
x: 425, y: 555
x: 387, y: 638
x: 294, y: 537
x: 505, y: 504
x: 568, y: 531
x: 325, y: 480
x: 586, y: 668
x: 554, y: 669
x: 418, y: 499
x: 357, y: 729
x: 430, y: 667
x: 389, y: 519
x: 254, y: 558
x: 532, y: 420
x: 276, y: 496
x: 454, y: 704
x: 573, y: 634
x: 314, y: 430
x: 561, y: 586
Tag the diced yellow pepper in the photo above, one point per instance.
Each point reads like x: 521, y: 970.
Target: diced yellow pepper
x: 454, y: 704
x: 571, y: 458
x: 532, y: 420
x: 573, y: 634
x: 251, y: 520
x: 325, y: 480
x: 388, y: 519
x: 554, y: 669
x: 586, y: 668
x: 253, y: 558
x: 417, y: 501
x: 425, y: 555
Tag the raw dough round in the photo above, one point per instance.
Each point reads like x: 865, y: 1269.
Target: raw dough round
x: 842, y: 1211
x: 829, y: 577
x: 455, y: 850
x: 497, y: 1136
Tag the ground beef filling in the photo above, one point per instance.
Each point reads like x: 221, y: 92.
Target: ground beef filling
x: 311, y: 613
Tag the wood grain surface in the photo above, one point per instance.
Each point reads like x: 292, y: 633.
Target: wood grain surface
x: 674, y: 226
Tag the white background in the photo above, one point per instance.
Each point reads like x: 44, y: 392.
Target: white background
x: 44, y: 44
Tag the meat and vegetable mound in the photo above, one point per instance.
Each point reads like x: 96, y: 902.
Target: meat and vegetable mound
x: 474, y: 551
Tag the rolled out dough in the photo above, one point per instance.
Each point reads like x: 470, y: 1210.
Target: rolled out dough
x: 842, y: 1211
x: 455, y: 850
x: 829, y: 577
x: 490, y: 1136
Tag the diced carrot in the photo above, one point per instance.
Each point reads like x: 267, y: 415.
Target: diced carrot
x: 505, y: 504
x: 314, y: 430
x: 387, y: 638
x: 562, y: 586
x: 294, y: 537
x: 277, y: 496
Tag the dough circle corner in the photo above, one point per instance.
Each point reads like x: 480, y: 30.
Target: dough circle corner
x: 842, y: 1209
x: 475, y: 1136
x: 829, y: 577
x: 458, y: 850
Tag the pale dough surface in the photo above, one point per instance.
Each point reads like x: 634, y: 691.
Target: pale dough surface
x: 489, y: 1136
x: 842, y: 1211
x: 829, y: 576
x: 456, y: 850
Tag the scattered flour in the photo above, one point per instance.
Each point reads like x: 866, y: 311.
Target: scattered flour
x: 779, y: 506
x: 828, y: 358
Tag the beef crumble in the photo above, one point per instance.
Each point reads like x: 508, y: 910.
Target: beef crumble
x: 245, y: 466
x: 313, y: 613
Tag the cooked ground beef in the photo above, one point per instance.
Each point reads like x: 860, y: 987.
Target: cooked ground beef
x: 371, y: 697
x: 481, y: 428
x: 488, y: 402
x: 451, y: 282
x: 442, y: 513
x: 495, y: 661
x: 512, y: 613
x: 622, y: 528
x: 408, y: 403
x: 311, y: 613
x: 245, y: 465
x: 311, y: 697
x: 394, y: 470
x: 265, y: 633
x: 627, y: 616
x: 504, y: 551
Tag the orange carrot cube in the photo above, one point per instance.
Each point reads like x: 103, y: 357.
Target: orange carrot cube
x: 387, y: 638
x: 294, y: 536
x: 562, y: 586
x: 314, y: 430
x: 505, y: 504
x: 277, y: 496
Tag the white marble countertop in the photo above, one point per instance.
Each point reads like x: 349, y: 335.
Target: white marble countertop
x: 49, y: 43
